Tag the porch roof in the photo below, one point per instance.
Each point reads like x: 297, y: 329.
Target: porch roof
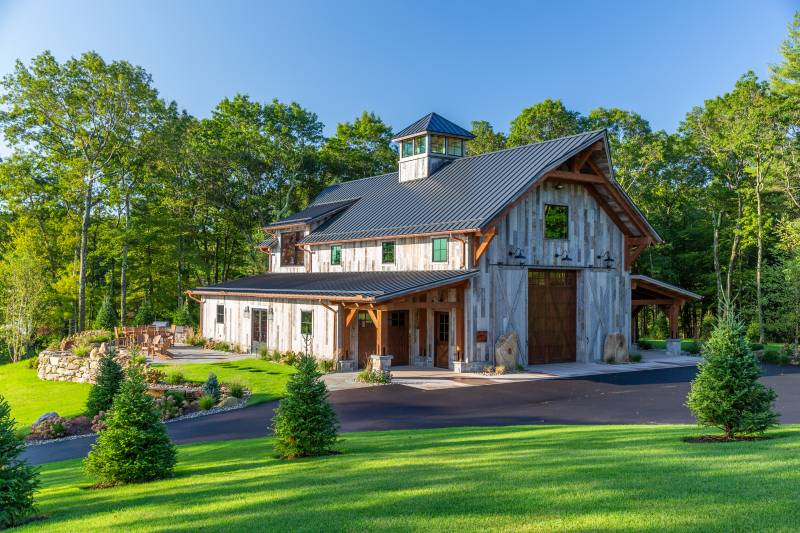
x: 337, y: 286
x: 644, y: 287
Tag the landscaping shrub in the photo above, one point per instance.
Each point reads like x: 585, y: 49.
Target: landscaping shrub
x: 175, y: 378
x: 106, y: 317
x: 183, y: 316
x: 290, y: 358
x: 755, y: 346
x: 499, y: 370
x: 774, y: 356
x: 196, y: 340
x: 644, y: 344
x: 220, y: 346
x: 32, y: 363
x: 18, y: 480
x: 693, y: 347
x: 264, y: 353
x: 726, y: 392
x: 236, y: 389
x: 211, y: 387
x: 154, y: 375
x: 635, y: 357
x: 109, y: 379
x: 379, y: 376
x: 305, y: 424
x: 325, y: 365
x: 82, y: 347
x: 171, y: 405
x: 206, y: 402
x: 144, y: 315
x: 134, y: 447
x: 54, y: 427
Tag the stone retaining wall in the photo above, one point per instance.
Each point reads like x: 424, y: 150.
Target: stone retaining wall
x: 55, y: 365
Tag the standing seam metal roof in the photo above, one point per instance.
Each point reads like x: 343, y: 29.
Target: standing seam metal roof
x: 434, y: 123
x: 463, y: 195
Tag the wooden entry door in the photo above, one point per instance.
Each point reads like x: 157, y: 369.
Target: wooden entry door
x: 441, y: 339
x: 259, y: 329
x: 551, y: 316
x: 397, y: 338
x: 367, y: 336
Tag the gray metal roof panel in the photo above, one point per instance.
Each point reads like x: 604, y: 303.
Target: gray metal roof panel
x: 378, y: 286
x: 667, y: 286
x: 434, y: 123
x: 465, y: 194
x: 314, y: 211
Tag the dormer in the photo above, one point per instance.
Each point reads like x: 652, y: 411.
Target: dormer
x: 427, y: 144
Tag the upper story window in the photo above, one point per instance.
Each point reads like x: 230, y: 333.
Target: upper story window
x: 556, y: 222
x: 408, y: 148
x: 387, y: 252
x: 306, y: 322
x: 220, y: 314
x: 455, y: 146
x: 437, y: 144
x: 291, y: 254
x: 336, y: 254
x: 420, y: 145
x: 439, y: 250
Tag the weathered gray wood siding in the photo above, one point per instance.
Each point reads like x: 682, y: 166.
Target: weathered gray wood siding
x: 414, y: 253
x: 284, y: 328
x: 500, y: 292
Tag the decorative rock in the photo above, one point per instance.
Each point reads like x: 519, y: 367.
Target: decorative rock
x: 229, y: 401
x: 615, y: 349
x: 45, y: 416
x: 65, y: 366
x: 506, y: 350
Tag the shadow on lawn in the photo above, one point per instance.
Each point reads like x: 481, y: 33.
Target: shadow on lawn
x: 468, y: 478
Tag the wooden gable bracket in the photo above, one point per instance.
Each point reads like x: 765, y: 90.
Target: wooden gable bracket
x: 579, y: 160
x: 350, y: 315
x: 486, y: 238
x: 634, y: 246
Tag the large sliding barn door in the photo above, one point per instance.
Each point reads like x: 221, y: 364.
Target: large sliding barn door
x: 551, y: 316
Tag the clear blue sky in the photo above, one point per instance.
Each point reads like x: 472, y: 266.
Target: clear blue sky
x: 466, y: 60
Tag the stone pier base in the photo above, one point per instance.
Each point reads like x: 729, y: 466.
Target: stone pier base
x: 674, y: 347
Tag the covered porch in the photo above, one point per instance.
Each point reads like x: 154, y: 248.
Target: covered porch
x: 422, y: 328
x: 669, y: 298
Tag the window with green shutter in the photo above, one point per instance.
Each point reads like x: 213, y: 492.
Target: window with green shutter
x: 336, y: 254
x: 387, y: 252
x: 440, y: 250
x: 306, y: 323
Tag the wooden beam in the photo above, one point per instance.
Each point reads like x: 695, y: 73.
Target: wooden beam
x: 653, y: 301
x: 487, y: 237
x: 634, y: 247
x: 607, y: 208
x: 623, y: 203
x: 349, y: 318
x: 460, y: 324
x: 579, y: 160
x: 575, y: 176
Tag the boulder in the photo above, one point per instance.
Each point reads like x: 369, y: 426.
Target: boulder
x: 615, y: 348
x: 230, y: 401
x: 506, y: 350
x: 45, y: 417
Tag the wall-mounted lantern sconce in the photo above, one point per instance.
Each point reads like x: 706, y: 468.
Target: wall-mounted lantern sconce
x: 607, y: 259
x: 516, y: 253
x: 564, y: 255
x: 247, y: 312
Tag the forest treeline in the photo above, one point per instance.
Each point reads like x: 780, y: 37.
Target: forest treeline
x: 113, y: 202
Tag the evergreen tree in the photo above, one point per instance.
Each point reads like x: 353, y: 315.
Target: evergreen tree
x: 109, y: 379
x: 106, y: 317
x: 183, y: 316
x: 18, y: 480
x: 305, y: 424
x: 211, y: 386
x: 726, y: 392
x: 144, y: 315
x: 135, y: 446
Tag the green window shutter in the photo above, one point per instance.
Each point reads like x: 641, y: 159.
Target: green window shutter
x: 387, y: 252
x: 440, y: 250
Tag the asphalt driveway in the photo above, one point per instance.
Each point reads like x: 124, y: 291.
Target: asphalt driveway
x: 647, y: 397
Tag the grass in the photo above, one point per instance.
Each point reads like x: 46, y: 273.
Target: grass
x: 266, y: 380
x: 31, y: 397
x: 525, y: 478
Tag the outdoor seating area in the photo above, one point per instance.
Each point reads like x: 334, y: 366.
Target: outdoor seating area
x: 153, y: 340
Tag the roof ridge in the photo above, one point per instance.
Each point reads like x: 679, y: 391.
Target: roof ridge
x: 531, y: 144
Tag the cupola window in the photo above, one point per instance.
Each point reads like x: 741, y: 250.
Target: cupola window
x: 455, y: 146
x: 420, y: 146
x: 437, y: 144
x: 408, y: 148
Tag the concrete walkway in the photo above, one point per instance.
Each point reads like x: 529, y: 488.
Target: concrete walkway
x: 186, y: 353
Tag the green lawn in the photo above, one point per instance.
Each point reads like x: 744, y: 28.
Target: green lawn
x: 266, y: 380
x: 529, y: 478
x: 31, y: 397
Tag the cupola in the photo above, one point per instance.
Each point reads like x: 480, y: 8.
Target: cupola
x: 429, y: 143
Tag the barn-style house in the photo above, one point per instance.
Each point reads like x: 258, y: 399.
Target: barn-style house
x: 434, y: 263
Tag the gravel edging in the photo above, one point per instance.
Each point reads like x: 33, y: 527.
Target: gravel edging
x: 197, y: 414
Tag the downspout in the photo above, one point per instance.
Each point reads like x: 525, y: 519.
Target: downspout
x: 464, y: 243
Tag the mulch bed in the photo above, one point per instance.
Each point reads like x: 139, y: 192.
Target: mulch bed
x: 710, y: 439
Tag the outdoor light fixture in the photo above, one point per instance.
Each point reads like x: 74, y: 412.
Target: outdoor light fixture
x: 247, y: 312
x: 607, y: 259
x: 516, y: 253
x: 564, y: 255
x: 559, y: 186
